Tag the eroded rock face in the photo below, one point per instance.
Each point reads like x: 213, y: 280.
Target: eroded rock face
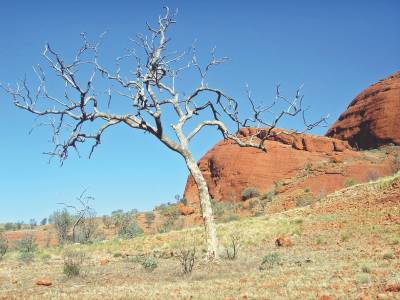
x: 372, y: 118
x: 297, y: 162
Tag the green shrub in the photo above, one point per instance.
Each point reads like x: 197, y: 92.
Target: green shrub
x: 150, y: 216
x: 86, y: 230
x: 73, y: 261
x: 26, y: 244
x: 149, y: 264
x: 363, y: 279
x: 170, y: 214
x: 230, y: 218
x: 308, y: 169
x: 121, y: 220
x: 268, y: 197
x: 117, y: 254
x: 249, y: 192
x: 3, y: 245
x: 304, y: 200
x: 366, y: 269
x: 218, y: 208
x: 26, y: 248
x: 232, y: 250
x: 396, y: 163
x: 298, y: 221
x: 350, y: 182
x: 62, y: 221
x: 321, y: 241
x: 26, y: 257
x: 130, y: 231
x: 107, y: 221
x: 270, y: 260
x: 45, y: 257
x: 345, y: 237
x: 9, y: 226
x: 187, y: 258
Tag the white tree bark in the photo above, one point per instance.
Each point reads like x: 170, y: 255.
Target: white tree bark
x: 206, y: 209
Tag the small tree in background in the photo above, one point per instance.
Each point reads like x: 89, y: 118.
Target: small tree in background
x: 83, y: 224
x: 125, y: 223
x: 32, y: 223
x: 43, y: 222
x: 107, y: 221
x: 18, y: 225
x: 62, y: 221
x: 9, y: 226
x: 3, y: 245
x: 152, y: 91
x: 27, y: 248
x: 249, y: 192
x: 150, y: 216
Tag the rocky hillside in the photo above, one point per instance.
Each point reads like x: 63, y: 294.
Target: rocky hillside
x: 371, y: 120
x: 319, y: 164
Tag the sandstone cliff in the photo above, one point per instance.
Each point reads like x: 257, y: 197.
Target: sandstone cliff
x: 372, y: 118
x: 317, y: 163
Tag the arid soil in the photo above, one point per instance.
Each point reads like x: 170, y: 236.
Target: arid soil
x: 343, y: 246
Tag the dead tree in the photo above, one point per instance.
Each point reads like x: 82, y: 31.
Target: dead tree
x: 84, y: 218
x: 151, y: 90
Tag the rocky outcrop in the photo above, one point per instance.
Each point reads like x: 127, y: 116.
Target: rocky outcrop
x: 291, y: 162
x: 371, y: 119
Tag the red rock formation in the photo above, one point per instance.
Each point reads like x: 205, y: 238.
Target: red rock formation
x: 320, y: 164
x: 283, y: 242
x: 372, y: 118
x: 44, y: 282
x: 185, y: 210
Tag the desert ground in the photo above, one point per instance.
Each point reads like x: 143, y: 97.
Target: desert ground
x: 343, y: 246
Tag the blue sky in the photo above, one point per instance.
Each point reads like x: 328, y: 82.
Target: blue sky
x: 335, y: 48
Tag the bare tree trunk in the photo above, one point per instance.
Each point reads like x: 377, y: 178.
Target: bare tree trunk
x: 206, y: 210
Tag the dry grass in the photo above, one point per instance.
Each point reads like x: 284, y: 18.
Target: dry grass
x: 345, y: 246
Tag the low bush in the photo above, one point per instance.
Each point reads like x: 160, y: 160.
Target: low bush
x: 270, y: 260
x: 249, y: 192
x: 62, y: 221
x: 170, y: 213
x: 73, y: 261
x: 26, y: 248
x: 26, y: 257
x: 3, y: 245
x: 186, y: 256
x: 149, y: 264
x: 117, y: 254
x: 45, y: 257
x: 321, y: 241
x: 396, y: 163
x: 130, y: 231
x: 350, y: 182
x: 107, y: 221
x: 372, y: 175
x: 219, y: 208
x: 366, y: 269
x: 230, y: 218
x: 304, y: 200
x: 150, y: 217
x: 345, y: 237
x: 363, y: 278
x: 232, y: 250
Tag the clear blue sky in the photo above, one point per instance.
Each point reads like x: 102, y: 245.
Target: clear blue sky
x: 335, y: 48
